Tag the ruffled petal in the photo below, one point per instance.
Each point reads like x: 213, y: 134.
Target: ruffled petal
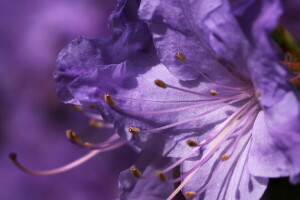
x: 177, y: 27
x: 83, y: 55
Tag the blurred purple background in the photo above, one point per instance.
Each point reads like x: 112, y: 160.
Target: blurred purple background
x: 32, y: 119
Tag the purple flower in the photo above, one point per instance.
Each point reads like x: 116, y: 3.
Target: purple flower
x: 209, y: 92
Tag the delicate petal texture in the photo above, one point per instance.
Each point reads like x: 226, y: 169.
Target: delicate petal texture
x: 177, y: 26
x: 133, y: 188
x: 265, y: 157
x: 229, y: 179
x: 83, y: 55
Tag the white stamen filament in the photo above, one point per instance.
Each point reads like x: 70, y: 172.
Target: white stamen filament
x: 215, y: 145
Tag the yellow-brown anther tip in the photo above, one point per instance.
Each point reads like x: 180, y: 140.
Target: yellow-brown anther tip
x: 134, y: 130
x: 161, y: 176
x: 258, y: 93
x: 189, y: 194
x: 109, y: 100
x: 13, y: 156
x: 70, y: 134
x: 225, y: 157
x: 135, y: 172
x: 160, y: 83
x: 96, y: 123
x: 77, y: 107
x: 296, y: 80
x: 180, y: 56
x: 92, y: 106
x: 213, y: 92
x: 192, y: 143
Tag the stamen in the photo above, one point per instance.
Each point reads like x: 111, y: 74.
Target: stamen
x: 92, y: 106
x: 180, y: 56
x: 134, y: 130
x: 96, y: 123
x: 73, y: 137
x: 225, y: 157
x: 161, y: 176
x: 206, y: 103
x: 160, y: 83
x: 189, y: 194
x: 196, y: 117
x: 192, y: 143
x: 258, y: 93
x: 59, y: 170
x: 222, y: 136
x: 135, y: 172
x: 213, y: 92
x: 109, y: 100
x: 293, y: 66
x: 296, y: 80
x: 77, y: 107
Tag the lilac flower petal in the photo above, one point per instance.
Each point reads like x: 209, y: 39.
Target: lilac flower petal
x: 133, y: 188
x: 83, y: 55
x: 80, y: 57
x: 283, y: 122
x: 177, y: 26
x: 229, y: 179
x: 228, y: 40
x: 266, y: 159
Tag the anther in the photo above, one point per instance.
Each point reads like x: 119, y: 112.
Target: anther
x: 134, y: 130
x: 225, y: 157
x: 161, y: 176
x: 92, y: 106
x: 77, y: 107
x: 109, y: 100
x: 72, y: 136
x: 258, y: 93
x: 160, y: 83
x: 13, y: 156
x: 189, y: 194
x: 180, y: 56
x: 213, y: 92
x: 135, y: 172
x: 192, y: 143
x: 96, y: 123
x: 296, y: 80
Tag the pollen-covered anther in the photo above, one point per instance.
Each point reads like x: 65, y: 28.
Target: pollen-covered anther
x: 161, y: 176
x: 109, y: 100
x: 160, y: 83
x: 135, y: 172
x: 258, y: 93
x: 296, y: 80
x: 293, y: 66
x: 134, y: 130
x: 76, y: 107
x: 213, y: 92
x: 92, y: 106
x: 189, y: 194
x: 72, y: 136
x: 192, y: 143
x: 13, y: 156
x: 180, y: 56
x: 225, y: 157
x: 96, y: 123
